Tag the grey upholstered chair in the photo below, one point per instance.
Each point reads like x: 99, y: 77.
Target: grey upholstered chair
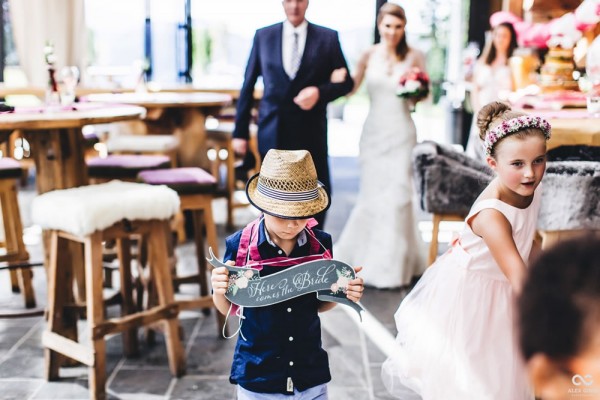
x: 447, y: 182
x: 571, y: 193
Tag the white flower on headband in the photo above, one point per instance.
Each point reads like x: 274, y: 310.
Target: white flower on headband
x: 514, y: 125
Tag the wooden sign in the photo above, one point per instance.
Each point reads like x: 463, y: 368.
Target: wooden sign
x: 327, y: 278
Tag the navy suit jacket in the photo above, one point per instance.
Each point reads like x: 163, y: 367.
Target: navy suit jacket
x: 281, y: 123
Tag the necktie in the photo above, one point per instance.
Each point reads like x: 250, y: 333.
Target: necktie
x: 296, y: 56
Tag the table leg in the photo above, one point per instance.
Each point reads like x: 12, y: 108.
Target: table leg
x: 192, y: 137
x: 59, y: 158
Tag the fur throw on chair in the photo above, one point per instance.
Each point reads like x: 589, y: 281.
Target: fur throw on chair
x: 571, y: 189
x: 447, y: 181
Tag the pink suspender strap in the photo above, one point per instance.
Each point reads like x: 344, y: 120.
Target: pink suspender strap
x: 242, y: 252
x: 249, y: 244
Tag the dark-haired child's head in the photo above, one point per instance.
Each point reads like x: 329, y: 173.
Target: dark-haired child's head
x: 559, y: 320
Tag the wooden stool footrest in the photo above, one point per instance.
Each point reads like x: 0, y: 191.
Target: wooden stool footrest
x: 135, y: 320
x: 20, y: 264
x: 68, y: 347
x: 22, y: 314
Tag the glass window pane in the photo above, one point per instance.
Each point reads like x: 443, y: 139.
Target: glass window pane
x: 168, y: 42
x: 10, y: 51
x: 223, y: 31
x: 116, y: 39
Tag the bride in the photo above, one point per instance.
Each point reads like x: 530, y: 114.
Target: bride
x: 381, y: 233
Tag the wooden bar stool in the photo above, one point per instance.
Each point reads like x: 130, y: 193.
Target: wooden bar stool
x: 91, y: 215
x: 15, y: 251
x: 196, y: 189
x: 124, y: 167
x: 223, y: 163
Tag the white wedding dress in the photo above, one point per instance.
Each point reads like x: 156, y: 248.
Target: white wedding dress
x: 381, y: 234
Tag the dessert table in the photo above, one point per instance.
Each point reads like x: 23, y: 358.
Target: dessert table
x: 178, y: 113
x: 56, y: 139
x: 571, y: 127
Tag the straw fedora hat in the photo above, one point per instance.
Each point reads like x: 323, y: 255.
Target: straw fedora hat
x: 287, y: 186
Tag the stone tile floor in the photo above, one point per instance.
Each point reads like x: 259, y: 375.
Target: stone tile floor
x: 356, y: 349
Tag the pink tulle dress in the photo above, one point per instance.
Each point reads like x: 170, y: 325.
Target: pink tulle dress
x: 456, y: 332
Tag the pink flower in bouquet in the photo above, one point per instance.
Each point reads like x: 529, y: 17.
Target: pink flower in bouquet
x: 413, y: 84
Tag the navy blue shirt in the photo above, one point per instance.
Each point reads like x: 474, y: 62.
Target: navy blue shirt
x: 283, y: 341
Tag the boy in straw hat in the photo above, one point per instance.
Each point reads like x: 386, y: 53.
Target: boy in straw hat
x: 278, y: 352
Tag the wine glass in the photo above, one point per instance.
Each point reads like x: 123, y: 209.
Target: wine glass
x: 69, y: 76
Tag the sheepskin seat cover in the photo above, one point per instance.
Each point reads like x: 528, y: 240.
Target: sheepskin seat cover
x: 86, y: 209
x: 447, y: 181
x: 142, y: 143
x: 570, y: 196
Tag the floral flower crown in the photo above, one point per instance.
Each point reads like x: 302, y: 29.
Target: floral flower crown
x: 514, y: 125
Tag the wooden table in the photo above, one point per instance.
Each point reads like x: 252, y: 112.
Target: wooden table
x: 182, y: 114
x: 56, y: 139
x: 40, y: 92
x: 571, y: 127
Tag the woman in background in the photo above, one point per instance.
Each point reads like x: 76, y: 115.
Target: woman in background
x: 381, y: 233
x: 491, y: 78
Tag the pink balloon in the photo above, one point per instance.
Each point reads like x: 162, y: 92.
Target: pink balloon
x: 529, y: 34
x: 536, y: 35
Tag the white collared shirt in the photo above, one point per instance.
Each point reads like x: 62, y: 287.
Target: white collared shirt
x: 301, y: 240
x: 287, y: 42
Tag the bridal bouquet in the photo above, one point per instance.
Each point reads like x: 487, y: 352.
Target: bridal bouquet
x: 414, y: 84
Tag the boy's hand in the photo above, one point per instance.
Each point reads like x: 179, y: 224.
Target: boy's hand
x: 219, y: 278
x: 355, y: 288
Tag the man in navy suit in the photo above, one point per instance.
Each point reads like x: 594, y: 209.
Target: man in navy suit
x: 295, y: 59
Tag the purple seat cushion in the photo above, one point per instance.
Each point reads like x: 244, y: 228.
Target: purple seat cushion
x: 182, y: 180
x: 124, y: 166
x: 9, y: 168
